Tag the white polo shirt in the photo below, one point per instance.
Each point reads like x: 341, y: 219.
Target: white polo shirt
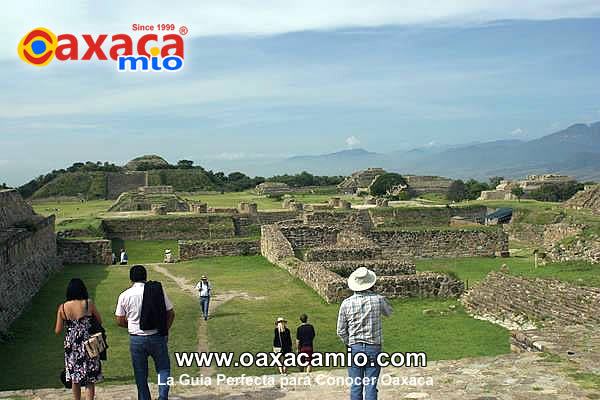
x: 130, y: 305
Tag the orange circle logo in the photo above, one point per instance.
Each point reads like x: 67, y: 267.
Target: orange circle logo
x: 38, y: 47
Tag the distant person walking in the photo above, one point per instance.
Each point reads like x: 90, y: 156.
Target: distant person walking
x: 282, y: 341
x: 305, y: 335
x: 359, y: 327
x: 75, y: 316
x: 124, y: 257
x: 205, y: 289
x: 147, y: 313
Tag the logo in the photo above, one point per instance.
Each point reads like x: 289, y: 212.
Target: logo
x: 38, y: 47
x: 153, y: 52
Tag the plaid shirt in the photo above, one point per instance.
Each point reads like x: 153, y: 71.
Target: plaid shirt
x: 359, y: 319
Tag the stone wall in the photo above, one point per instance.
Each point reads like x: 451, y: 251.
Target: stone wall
x: 329, y: 285
x: 117, y: 182
x: 515, y: 300
x: 189, y: 250
x: 546, y: 236
x: 302, y: 236
x: 13, y: 209
x: 380, y: 267
x: 406, y: 217
x: 97, y: 251
x: 274, y: 246
x: 428, y: 184
x: 249, y: 225
x: 349, y: 219
x: 580, y: 248
x: 192, y: 227
x: 419, y: 285
x: 27, y: 255
x: 440, y: 243
x: 335, y: 253
x: 332, y: 287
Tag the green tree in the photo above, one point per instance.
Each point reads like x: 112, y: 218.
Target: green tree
x: 518, y: 192
x: 385, y: 182
x: 495, y: 181
x: 185, y: 164
x: 474, y: 188
x: 457, y: 191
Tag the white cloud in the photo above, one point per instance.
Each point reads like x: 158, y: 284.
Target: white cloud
x: 516, y: 132
x: 352, y: 141
x: 431, y: 144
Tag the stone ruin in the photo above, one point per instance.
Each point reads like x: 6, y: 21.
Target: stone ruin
x: 532, y: 182
x: 197, y: 207
x: 428, y: 184
x: 322, y: 257
x: 248, y: 208
x: 28, y: 254
x: 272, y: 189
x: 588, y: 199
x: 360, y: 181
x: 149, y: 198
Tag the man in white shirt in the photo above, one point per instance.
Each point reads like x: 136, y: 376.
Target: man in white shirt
x: 124, y: 257
x: 205, y: 288
x: 144, y: 343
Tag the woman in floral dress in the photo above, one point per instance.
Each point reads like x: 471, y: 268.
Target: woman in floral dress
x: 75, y: 316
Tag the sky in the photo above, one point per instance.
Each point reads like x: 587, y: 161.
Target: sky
x: 270, y: 79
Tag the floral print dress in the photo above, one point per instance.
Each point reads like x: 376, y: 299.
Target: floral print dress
x: 79, y: 366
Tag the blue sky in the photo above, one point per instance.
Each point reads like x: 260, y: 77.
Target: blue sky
x: 270, y: 79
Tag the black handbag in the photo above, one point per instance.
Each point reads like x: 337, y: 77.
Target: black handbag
x: 63, y: 379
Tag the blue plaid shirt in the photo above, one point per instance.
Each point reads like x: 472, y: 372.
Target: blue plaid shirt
x: 359, y: 319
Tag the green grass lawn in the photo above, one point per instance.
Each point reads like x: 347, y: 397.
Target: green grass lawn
x: 247, y: 325
x: 71, y: 209
x: 145, y: 251
x: 33, y: 356
x: 475, y: 269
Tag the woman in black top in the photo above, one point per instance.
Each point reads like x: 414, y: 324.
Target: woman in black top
x: 282, y: 341
x: 304, y: 340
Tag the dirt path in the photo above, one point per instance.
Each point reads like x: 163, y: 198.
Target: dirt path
x: 216, y: 300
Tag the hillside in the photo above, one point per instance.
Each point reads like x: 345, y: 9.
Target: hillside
x: 573, y: 151
x: 91, y: 185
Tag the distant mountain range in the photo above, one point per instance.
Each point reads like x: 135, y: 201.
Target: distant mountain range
x: 573, y: 151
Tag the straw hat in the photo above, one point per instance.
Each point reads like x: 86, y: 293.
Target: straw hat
x: 361, y: 279
x: 280, y: 319
x: 203, y: 277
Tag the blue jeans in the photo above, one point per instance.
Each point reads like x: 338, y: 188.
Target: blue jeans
x: 368, y: 371
x: 204, y: 300
x: 141, y: 348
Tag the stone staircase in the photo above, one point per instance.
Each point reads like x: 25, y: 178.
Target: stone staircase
x: 506, y: 297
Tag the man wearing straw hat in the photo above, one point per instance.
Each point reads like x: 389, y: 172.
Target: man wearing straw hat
x: 359, y: 327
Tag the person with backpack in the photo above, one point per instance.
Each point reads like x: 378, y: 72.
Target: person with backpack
x: 204, y: 287
x: 147, y: 313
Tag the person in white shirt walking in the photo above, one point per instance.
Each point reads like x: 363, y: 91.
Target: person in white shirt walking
x: 205, y: 288
x: 145, y: 343
x: 124, y: 257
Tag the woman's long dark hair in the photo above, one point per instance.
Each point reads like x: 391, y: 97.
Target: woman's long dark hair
x: 76, y: 290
